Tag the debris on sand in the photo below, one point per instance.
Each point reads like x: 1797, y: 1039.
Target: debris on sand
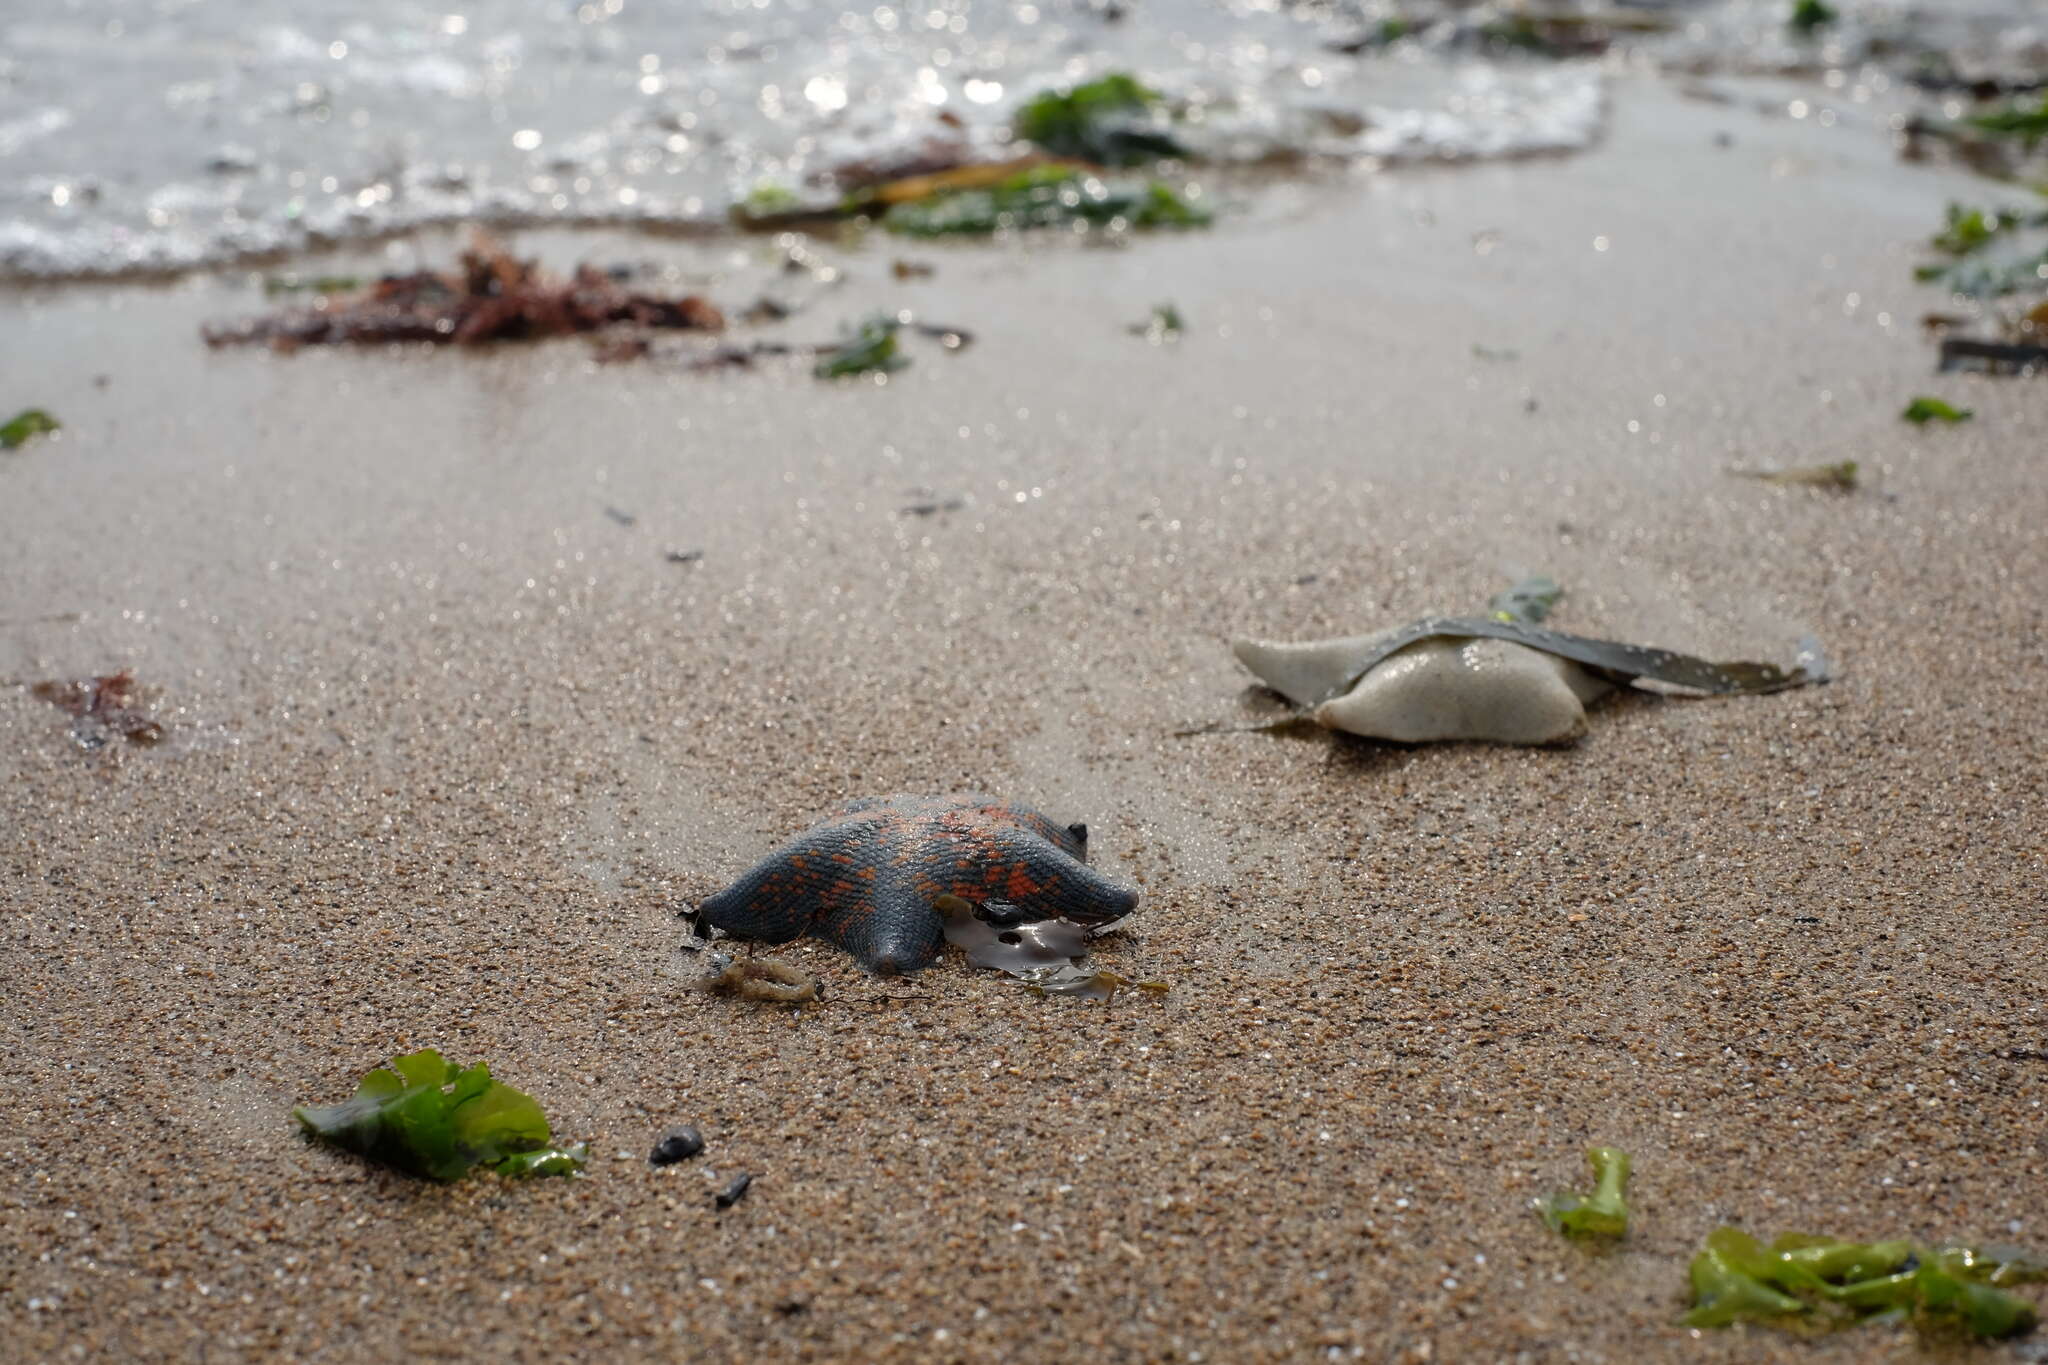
x: 1044, y: 955
x: 1840, y: 477
x: 1045, y: 195
x: 759, y: 978
x: 1501, y: 678
x: 493, y: 296
x: 1111, y: 121
x: 677, y: 1144
x: 424, y: 1116
x: 25, y: 426
x: 1923, y: 410
x: 869, y: 347
x: 735, y: 1190
x: 1820, y: 1283
x: 1165, y: 324
x: 102, y: 708
x: 1601, y: 1215
x: 1810, y: 16
x: 1992, y: 357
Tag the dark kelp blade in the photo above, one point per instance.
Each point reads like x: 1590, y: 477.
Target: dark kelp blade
x: 1736, y: 677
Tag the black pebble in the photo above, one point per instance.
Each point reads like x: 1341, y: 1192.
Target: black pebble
x: 736, y: 1191
x: 677, y: 1144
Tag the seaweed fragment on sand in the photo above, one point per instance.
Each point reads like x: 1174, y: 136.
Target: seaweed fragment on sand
x: 759, y: 978
x: 1165, y: 324
x: 25, y: 426
x: 1046, y: 195
x: 1843, y: 476
x: 869, y: 347
x: 424, y: 1116
x: 101, y: 708
x: 1808, y: 17
x: 1923, y: 410
x: 1814, y: 1283
x: 1601, y: 1215
x: 1114, y: 120
x: 2025, y: 122
x: 492, y: 296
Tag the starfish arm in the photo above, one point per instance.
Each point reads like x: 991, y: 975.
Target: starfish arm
x: 889, y: 927
x: 778, y: 898
x: 1018, y: 866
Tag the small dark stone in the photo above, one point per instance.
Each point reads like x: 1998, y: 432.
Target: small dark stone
x: 677, y: 1144
x: 736, y: 1191
x: 789, y: 1308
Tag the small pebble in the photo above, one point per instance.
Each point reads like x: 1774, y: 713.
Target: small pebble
x: 736, y: 1191
x: 677, y: 1144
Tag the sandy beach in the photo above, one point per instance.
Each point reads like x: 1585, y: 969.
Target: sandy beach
x: 453, y: 739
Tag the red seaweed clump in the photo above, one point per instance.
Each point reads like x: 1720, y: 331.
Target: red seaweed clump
x: 101, y: 708
x: 494, y: 296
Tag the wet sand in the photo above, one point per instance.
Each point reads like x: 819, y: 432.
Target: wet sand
x: 451, y: 745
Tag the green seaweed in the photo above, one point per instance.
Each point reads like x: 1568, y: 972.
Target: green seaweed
x: 1601, y: 1215
x: 768, y: 197
x: 1044, y: 196
x: 2028, y: 123
x: 1528, y: 601
x: 1923, y: 410
x: 1999, y: 1265
x: 311, y: 284
x: 1809, y: 16
x: 1987, y: 279
x: 1108, y: 121
x: 25, y: 426
x: 1826, y: 1283
x: 870, y: 347
x: 1969, y: 229
x: 1840, y: 477
x: 1165, y: 324
x: 427, y: 1117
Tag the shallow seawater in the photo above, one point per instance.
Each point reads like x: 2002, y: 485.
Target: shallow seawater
x: 144, y: 135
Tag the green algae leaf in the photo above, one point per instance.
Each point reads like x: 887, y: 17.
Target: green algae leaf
x: 1165, y: 324
x: 24, y: 426
x: 547, y: 1161
x: 1921, y: 411
x: 1947, y: 1299
x: 1995, y: 1264
x: 1988, y: 279
x: 2029, y: 123
x: 1831, y: 1260
x: 1604, y: 1213
x: 1045, y: 196
x: 427, y: 1117
x: 1528, y: 601
x: 769, y: 197
x: 1729, y: 1284
x: 1109, y: 121
x: 1829, y: 1283
x: 1810, y: 15
x: 869, y: 348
